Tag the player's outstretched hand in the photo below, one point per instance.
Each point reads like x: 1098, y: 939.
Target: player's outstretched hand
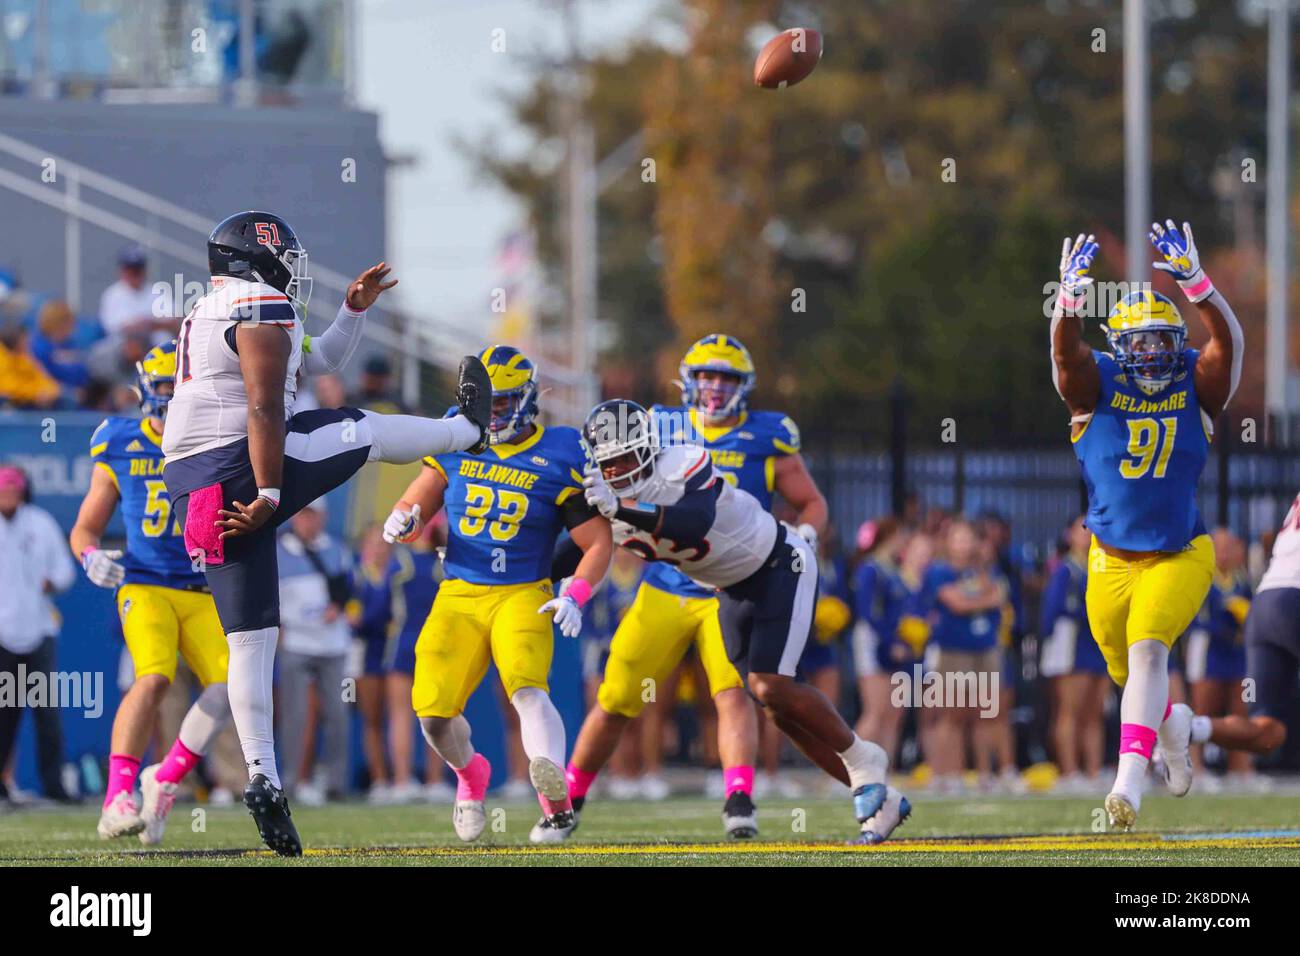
x: 103, y: 568
x: 1179, y: 249
x: 402, y: 525
x: 567, y: 614
x: 1076, y: 263
x: 368, y: 287
x: 599, y: 494
x: 245, y: 519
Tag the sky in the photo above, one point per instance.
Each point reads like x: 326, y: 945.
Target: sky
x: 427, y: 67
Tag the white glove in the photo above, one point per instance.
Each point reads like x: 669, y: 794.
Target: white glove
x: 599, y: 494
x: 567, y: 614
x: 1181, y: 259
x: 1076, y: 263
x: 102, y: 567
x: 808, y: 533
x: 402, y: 526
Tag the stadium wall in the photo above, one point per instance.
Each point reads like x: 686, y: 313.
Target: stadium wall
x: 209, y: 159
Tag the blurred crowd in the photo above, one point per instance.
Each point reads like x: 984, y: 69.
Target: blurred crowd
x: 51, y: 357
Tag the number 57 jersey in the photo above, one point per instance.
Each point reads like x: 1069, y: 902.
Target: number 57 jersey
x: 505, y: 506
x: 1141, y: 457
x: 130, y: 451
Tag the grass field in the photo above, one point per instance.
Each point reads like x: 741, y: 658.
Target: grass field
x: 1196, y: 831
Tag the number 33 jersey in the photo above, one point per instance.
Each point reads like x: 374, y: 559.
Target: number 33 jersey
x: 1141, y: 457
x: 130, y: 451
x: 504, y: 507
x: 741, y: 538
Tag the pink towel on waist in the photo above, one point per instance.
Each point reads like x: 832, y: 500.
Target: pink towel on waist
x: 201, y: 531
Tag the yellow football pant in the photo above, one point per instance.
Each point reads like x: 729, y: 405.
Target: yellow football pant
x: 160, y: 622
x: 651, y: 640
x: 471, y: 625
x: 1152, y: 598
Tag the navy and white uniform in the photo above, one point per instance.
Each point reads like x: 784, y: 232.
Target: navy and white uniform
x: 1273, y: 625
x: 206, y: 446
x: 722, y: 538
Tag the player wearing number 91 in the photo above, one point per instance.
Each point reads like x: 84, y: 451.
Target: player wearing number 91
x: 164, y: 604
x: 505, y: 509
x: 1142, y: 419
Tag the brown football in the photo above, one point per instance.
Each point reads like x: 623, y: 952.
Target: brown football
x: 787, y: 58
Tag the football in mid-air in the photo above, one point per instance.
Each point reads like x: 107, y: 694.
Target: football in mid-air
x: 787, y: 58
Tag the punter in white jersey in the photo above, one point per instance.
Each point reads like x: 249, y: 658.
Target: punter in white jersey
x: 1272, y: 652
x: 668, y: 504
x: 238, y: 464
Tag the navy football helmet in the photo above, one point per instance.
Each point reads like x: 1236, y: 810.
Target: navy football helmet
x: 261, y: 247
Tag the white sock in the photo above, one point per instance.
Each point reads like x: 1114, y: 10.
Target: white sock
x: 866, y: 762
x: 1201, y: 729
x: 449, y: 738
x: 1130, y: 775
x: 406, y: 438
x: 205, y: 718
x: 540, y: 725
x: 252, y: 668
x: 1146, y: 694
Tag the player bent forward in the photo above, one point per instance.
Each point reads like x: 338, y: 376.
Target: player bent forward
x: 668, y: 504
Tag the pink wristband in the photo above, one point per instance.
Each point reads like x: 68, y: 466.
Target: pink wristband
x: 579, y: 590
x: 1200, y: 290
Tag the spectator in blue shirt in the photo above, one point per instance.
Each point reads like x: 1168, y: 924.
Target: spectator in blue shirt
x: 965, y: 601
x: 370, y: 613
x: 879, y: 597
x: 56, y: 347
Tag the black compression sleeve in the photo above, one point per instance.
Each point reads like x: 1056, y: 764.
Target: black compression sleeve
x: 576, y: 511
x: 639, y: 519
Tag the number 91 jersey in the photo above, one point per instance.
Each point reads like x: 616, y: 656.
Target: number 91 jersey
x: 1141, y: 457
x: 130, y: 451
x: 504, y: 507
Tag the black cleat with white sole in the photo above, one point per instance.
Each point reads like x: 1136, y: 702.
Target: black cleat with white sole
x: 474, y: 399
x: 270, y: 810
x: 740, y: 816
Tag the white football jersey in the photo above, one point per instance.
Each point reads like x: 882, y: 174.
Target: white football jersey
x: 210, y: 406
x: 1284, y: 568
x: 739, y: 541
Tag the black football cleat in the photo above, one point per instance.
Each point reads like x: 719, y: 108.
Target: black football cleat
x: 270, y: 811
x: 474, y: 399
x: 740, y: 817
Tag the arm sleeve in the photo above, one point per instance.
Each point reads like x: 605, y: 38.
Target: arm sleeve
x: 1238, y: 343
x: 692, y: 517
x: 576, y: 511
x: 332, y: 349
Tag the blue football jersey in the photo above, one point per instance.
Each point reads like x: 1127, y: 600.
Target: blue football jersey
x: 504, y: 506
x: 744, y: 454
x: 1141, y: 457
x: 131, y: 452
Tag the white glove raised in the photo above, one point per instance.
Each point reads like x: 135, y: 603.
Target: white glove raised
x: 1181, y: 259
x: 102, y: 567
x: 567, y: 614
x: 599, y: 494
x: 402, y: 525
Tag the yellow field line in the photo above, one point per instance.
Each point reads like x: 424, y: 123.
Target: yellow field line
x: 1004, y: 845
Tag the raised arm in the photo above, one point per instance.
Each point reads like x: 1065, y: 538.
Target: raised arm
x: 331, y: 350
x: 1074, y: 370
x: 1218, y: 370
